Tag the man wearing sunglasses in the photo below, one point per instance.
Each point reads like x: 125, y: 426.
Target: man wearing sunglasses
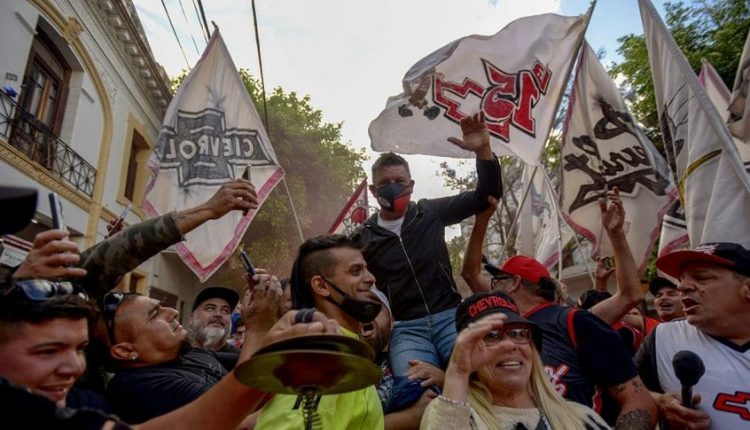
x: 43, y: 332
x: 156, y: 369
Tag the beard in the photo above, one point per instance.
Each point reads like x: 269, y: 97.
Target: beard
x: 211, y: 337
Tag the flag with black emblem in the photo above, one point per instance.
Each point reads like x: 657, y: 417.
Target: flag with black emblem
x: 211, y: 135
x: 603, y: 148
x: 713, y: 186
x: 515, y: 77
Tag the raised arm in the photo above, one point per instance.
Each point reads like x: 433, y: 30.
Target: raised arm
x: 628, y: 292
x: 106, y: 261
x: 471, y: 270
x: 476, y: 138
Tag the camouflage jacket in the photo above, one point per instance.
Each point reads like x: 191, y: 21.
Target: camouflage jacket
x: 109, y: 259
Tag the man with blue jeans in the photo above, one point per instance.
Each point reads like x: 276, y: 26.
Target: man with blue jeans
x: 404, y: 245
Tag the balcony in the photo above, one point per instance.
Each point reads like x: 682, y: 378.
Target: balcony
x: 27, y: 134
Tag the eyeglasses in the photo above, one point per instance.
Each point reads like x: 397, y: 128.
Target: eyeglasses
x: 110, y: 302
x: 42, y: 289
x: 519, y: 333
x: 498, y: 281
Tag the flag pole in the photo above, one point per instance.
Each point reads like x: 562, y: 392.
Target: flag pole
x: 518, y: 211
x: 556, y: 199
x: 294, y: 211
x: 265, y: 118
x: 552, y: 192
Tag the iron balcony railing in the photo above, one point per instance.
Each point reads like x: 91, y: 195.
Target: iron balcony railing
x: 25, y: 132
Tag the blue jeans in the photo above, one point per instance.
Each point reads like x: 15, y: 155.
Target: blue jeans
x: 428, y: 339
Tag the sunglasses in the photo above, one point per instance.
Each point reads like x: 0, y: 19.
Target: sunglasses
x: 518, y: 333
x: 110, y: 302
x: 497, y: 281
x: 42, y: 289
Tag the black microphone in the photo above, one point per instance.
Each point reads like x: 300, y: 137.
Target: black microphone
x: 688, y: 368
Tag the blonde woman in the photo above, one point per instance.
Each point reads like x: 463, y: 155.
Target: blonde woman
x: 495, y: 379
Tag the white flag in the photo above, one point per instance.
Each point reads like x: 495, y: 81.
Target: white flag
x: 354, y: 212
x: 674, y: 234
x: 516, y: 77
x: 713, y: 185
x: 211, y: 134
x: 718, y: 92
x: 739, y: 107
x: 540, y: 233
x: 603, y: 148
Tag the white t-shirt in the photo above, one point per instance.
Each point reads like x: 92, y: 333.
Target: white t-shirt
x: 724, y: 388
x: 392, y: 225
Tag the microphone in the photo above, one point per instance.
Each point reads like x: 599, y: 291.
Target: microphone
x: 688, y: 368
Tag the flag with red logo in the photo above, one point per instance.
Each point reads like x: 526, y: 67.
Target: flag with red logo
x: 516, y: 77
x: 354, y: 212
x: 713, y: 185
x: 604, y: 148
x: 739, y: 106
x: 211, y: 135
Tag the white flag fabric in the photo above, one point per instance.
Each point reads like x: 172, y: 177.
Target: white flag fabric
x: 714, y: 188
x: 539, y: 232
x: 354, y: 212
x: 674, y: 234
x: 211, y: 134
x: 739, y: 106
x: 718, y: 92
x: 603, y: 148
x: 515, y: 77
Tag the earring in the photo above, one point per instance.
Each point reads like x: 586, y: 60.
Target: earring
x: 133, y: 357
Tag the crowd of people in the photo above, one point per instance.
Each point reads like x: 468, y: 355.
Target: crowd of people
x: 517, y: 353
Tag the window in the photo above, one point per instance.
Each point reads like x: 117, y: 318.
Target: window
x: 166, y: 299
x: 138, y: 148
x: 42, y: 101
x: 134, y: 172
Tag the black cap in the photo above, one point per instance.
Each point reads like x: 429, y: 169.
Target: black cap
x: 730, y: 255
x: 20, y: 205
x: 481, y: 304
x: 591, y: 297
x: 658, y: 283
x: 230, y: 296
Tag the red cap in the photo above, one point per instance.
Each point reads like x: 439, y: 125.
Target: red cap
x: 525, y: 267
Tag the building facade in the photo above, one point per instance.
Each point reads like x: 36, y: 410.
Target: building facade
x: 81, y: 105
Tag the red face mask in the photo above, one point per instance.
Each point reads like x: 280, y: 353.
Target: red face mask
x: 393, y: 197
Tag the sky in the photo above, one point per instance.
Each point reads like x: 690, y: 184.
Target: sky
x: 349, y: 56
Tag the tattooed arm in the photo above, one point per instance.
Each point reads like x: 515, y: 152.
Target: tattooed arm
x: 637, y: 408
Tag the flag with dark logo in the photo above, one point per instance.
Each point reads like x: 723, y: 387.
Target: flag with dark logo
x: 603, y: 148
x: 739, y: 105
x: 713, y: 185
x: 211, y: 135
x: 354, y: 212
x: 540, y: 232
x: 515, y: 76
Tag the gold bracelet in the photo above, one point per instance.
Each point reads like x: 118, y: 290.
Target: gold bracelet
x: 453, y: 402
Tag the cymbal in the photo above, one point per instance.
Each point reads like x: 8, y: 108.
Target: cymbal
x: 325, y: 342
x: 295, y: 371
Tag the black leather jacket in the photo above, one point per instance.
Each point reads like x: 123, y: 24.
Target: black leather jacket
x: 414, y: 270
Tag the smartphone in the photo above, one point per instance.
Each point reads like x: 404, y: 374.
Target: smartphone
x: 55, y: 205
x: 246, y: 262
x: 609, y: 263
x: 120, y: 219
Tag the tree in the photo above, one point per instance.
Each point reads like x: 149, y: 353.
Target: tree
x: 712, y: 29
x: 321, y: 171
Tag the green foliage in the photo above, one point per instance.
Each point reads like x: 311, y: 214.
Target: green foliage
x: 321, y: 171
x: 710, y: 29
